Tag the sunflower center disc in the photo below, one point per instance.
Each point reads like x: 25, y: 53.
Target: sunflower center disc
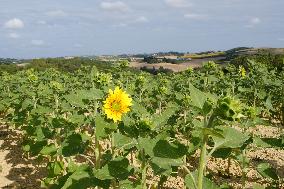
x: 116, y: 106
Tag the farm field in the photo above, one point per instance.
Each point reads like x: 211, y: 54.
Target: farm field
x: 195, y: 63
x: 210, y: 127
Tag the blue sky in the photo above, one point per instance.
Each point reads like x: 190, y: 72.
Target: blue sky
x: 50, y: 28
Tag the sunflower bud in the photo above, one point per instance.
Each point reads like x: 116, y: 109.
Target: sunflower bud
x: 229, y: 109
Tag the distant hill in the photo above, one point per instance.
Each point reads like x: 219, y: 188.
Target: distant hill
x: 232, y: 53
x: 253, y: 51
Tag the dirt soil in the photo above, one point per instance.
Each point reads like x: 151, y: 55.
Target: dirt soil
x: 195, y: 63
x: 16, y: 170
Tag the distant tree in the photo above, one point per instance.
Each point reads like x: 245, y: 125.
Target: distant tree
x: 155, y: 71
x: 151, y: 60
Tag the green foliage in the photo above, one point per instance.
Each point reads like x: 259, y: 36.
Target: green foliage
x: 61, y: 64
x: 266, y: 170
x: 62, y: 119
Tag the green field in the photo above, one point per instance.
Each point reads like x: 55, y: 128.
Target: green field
x: 191, y: 129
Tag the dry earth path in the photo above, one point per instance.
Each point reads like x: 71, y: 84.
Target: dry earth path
x: 16, y: 171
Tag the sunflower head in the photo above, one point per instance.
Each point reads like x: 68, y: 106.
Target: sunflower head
x: 116, y: 104
x: 242, y: 71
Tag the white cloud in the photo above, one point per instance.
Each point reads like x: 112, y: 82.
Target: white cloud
x: 37, y: 42
x: 253, y: 22
x: 117, y: 6
x: 195, y: 16
x: 56, y: 13
x: 14, y: 23
x: 120, y: 25
x: 178, y: 3
x: 142, y: 19
x: 13, y: 35
x: 41, y: 22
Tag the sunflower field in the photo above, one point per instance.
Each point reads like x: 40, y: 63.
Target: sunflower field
x: 196, y: 129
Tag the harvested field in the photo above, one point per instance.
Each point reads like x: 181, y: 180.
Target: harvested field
x: 195, y: 63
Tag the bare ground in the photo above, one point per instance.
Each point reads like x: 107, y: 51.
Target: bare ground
x: 195, y: 63
x: 17, y: 171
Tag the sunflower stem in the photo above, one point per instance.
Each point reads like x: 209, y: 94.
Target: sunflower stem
x: 98, y: 153
x: 143, y: 169
x: 243, y: 169
x: 202, y: 163
x: 160, y: 107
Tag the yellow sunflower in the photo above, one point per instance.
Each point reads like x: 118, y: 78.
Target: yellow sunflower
x: 242, y: 71
x: 116, y: 104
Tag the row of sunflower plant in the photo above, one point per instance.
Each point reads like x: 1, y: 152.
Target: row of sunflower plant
x: 127, y: 130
